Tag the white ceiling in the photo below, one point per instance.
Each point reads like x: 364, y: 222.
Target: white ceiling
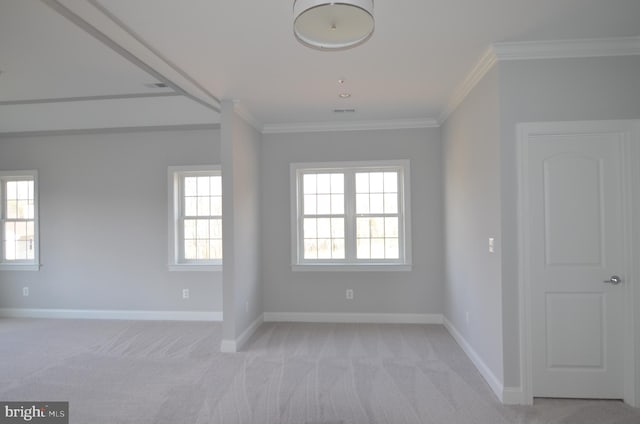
x: 420, y: 53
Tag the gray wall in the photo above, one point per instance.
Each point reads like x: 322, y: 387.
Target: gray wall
x: 471, y: 138
x: 551, y: 90
x: 241, y: 224
x: 417, y: 291
x: 103, y: 222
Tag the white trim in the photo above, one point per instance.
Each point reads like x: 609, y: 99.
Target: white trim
x: 246, y: 115
x: 350, y: 262
x: 560, y: 49
x: 306, y: 127
x: 231, y: 346
x: 111, y: 314
x: 479, y: 70
x: 174, y: 173
x: 341, y: 317
x: 553, y: 49
x: 493, y: 381
x: 630, y: 143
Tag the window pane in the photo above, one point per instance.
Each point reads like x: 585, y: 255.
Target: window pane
x: 190, y: 186
x: 324, y: 183
x: 189, y: 228
x: 310, y: 228
x: 391, y: 203
x: 190, y: 249
x: 377, y: 248
x: 310, y: 204
x: 363, y: 228
x: 21, y: 231
x: 311, y: 249
x: 337, y: 183
x: 215, y: 249
x: 377, y: 227
x: 21, y: 250
x: 309, y: 184
x: 203, y: 249
x: 216, y: 186
x: 391, y: 227
x: 376, y: 203
x: 390, y: 182
x: 337, y: 227
x: 203, y: 206
x: 216, y: 206
x: 12, y: 190
x: 324, y: 248
x: 337, y: 204
x: 23, y: 190
x: 324, y: 227
x: 30, y: 230
x: 362, y: 182
x: 203, y: 187
x: 190, y: 206
x: 362, y: 203
x: 391, y: 248
x: 202, y: 229
x: 376, y: 184
x: 324, y: 204
x: 12, y: 209
x: 215, y: 228
x: 338, y: 249
x: 363, y: 249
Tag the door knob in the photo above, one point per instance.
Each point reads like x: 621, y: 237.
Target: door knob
x: 613, y: 280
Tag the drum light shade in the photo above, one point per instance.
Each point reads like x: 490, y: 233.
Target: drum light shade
x: 329, y: 25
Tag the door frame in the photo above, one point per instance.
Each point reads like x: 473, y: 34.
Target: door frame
x: 629, y: 133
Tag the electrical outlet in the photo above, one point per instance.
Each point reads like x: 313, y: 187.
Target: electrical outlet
x: 185, y: 293
x: 349, y: 294
x: 491, y: 245
x: 25, y: 291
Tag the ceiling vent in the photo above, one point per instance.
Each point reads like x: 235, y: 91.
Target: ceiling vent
x: 344, y: 110
x: 156, y: 85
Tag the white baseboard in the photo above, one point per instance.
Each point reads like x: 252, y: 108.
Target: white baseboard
x: 231, y: 346
x: 505, y: 395
x: 111, y: 314
x: 353, y: 318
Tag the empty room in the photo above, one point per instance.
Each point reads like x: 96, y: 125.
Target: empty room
x: 317, y: 212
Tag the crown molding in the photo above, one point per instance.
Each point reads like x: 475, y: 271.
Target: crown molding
x: 349, y: 126
x: 479, y: 70
x: 564, y: 49
x: 528, y: 50
x: 246, y: 115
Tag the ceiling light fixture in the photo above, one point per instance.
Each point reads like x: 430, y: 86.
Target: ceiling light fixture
x: 333, y: 25
x: 344, y: 95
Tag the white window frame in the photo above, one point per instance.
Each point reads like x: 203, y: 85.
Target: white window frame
x: 176, y: 257
x: 350, y: 263
x: 28, y: 264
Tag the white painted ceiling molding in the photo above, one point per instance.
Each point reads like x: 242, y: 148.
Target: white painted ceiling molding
x: 244, y: 113
x: 98, y: 22
x: 554, y: 49
x: 349, y: 126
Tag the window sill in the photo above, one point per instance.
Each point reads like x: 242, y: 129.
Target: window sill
x: 19, y: 267
x: 195, y: 267
x: 351, y: 267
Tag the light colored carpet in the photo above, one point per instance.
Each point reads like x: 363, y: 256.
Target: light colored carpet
x: 172, y: 373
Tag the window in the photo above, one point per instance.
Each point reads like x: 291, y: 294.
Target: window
x: 195, y: 218
x: 352, y: 215
x: 19, y: 219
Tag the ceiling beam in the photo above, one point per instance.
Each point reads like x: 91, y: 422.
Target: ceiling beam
x: 90, y: 16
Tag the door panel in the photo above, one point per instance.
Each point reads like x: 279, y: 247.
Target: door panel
x: 576, y: 238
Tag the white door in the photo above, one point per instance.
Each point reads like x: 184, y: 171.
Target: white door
x: 576, y: 243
